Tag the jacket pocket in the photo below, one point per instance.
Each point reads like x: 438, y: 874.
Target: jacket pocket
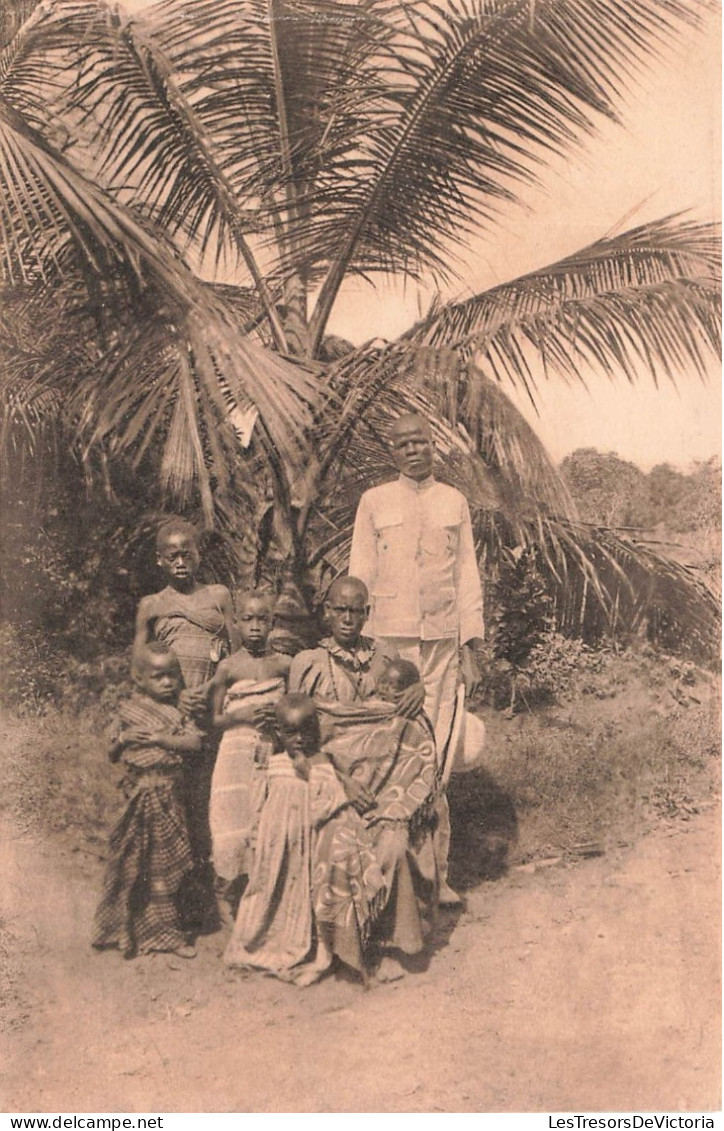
x: 441, y: 535
x: 388, y: 530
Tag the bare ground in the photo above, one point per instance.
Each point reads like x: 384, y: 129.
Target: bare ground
x: 587, y: 986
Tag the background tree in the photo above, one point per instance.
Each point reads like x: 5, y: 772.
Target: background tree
x: 706, y: 509
x: 670, y: 496
x: 298, y: 146
x: 608, y: 491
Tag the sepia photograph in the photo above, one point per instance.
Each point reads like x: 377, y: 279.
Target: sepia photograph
x: 360, y: 558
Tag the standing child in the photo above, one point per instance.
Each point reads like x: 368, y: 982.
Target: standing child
x: 196, y: 621
x: 244, y: 690
x: 150, y: 853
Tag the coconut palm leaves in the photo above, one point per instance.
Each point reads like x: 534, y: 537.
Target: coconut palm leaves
x: 375, y: 136
x: 648, y: 299
x: 294, y: 145
x: 55, y: 221
x: 475, y: 104
x: 348, y: 137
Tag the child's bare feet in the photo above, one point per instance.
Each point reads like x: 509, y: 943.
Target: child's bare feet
x: 390, y: 969
x: 185, y: 951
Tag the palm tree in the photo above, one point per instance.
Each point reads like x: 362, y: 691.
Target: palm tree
x: 293, y: 146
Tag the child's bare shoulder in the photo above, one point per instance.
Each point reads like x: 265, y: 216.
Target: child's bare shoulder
x: 149, y: 605
x: 279, y: 663
x: 221, y: 675
x: 235, y: 666
x: 220, y: 592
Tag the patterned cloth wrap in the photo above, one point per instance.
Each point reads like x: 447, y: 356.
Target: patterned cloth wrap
x: 395, y: 759
x: 392, y: 756
x: 238, y: 783
x: 316, y: 888
x: 192, y: 624
x: 150, y: 852
x: 306, y: 829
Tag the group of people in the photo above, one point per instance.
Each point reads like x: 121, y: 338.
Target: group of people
x: 313, y: 785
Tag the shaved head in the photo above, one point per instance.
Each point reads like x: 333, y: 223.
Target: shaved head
x: 295, y: 705
x: 264, y: 598
x: 298, y: 724
x: 146, y: 655
x: 342, y: 585
x: 409, y: 421
x: 171, y: 528
x: 346, y: 609
x: 404, y: 671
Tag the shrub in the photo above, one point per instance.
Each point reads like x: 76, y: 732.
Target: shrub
x: 38, y: 676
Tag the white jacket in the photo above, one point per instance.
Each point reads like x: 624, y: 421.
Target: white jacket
x: 413, y: 547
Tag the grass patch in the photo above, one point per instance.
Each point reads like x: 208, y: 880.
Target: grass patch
x: 634, y: 742
x: 56, y: 778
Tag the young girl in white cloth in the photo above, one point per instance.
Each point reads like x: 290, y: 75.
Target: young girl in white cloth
x: 244, y: 690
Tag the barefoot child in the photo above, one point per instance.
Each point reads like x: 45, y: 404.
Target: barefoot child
x: 244, y: 690
x: 196, y: 621
x: 150, y: 853
x: 315, y: 886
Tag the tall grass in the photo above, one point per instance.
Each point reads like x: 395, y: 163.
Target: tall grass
x: 633, y: 738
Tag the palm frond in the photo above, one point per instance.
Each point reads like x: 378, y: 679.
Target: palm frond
x: 13, y: 14
x: 473, y: 100
x: 264, y: 77
x: 25, y: 78
x: 498, y: 463
x: 646, y: 300
x: 630, y: 587
x: 39, y: 359
x: 182, y: 388
x: 46, y: 204
x: 604, y: 582
x: 134, y: 129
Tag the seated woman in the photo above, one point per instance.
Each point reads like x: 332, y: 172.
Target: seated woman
x: 393, y: 760
x: 315, y: 887
x: 384, y: 754
x: 346, y: 666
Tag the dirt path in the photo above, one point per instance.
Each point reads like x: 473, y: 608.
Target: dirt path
x: 587, y: 987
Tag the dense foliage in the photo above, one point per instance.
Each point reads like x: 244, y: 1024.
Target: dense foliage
x: 609, y: 491
x: 292, y: 147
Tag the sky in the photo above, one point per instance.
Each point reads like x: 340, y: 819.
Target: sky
x: 665, y: 157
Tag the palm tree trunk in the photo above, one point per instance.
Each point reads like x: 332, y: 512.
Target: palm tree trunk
x: 296, y: 324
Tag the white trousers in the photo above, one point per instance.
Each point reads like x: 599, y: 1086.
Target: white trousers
x: 438, y: 662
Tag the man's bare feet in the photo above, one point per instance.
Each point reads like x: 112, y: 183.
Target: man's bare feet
x: 226, y: 915
x: 390, y: 969
x: 448, y: 897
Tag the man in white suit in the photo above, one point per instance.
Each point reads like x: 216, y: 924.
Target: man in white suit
x: 413, y: 547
